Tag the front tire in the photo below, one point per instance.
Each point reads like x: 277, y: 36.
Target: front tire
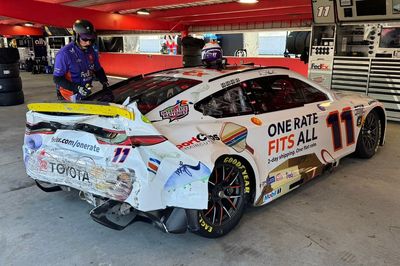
x: 228, y: 190
x: 369, y: 137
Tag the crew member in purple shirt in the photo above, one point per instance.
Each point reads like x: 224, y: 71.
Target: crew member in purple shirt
x: 77, y: 63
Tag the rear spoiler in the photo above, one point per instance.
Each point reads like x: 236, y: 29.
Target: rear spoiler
x: 103, y: 109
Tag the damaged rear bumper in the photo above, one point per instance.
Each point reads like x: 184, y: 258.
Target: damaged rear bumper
x: 118, y: 215
x: 170, y: 220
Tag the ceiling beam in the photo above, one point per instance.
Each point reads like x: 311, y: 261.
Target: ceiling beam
x: 64, y: 16
x: 85, y: 3
x: 228, y: 8
x: 19, y: 30
x: 248, y: 14
x: 285, y: 18
x: 138, y: 4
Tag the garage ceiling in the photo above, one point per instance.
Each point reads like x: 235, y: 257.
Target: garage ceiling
x: 165, y: 15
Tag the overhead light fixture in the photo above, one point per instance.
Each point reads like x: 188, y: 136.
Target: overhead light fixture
x: 28, y: 24
x: 248, y: 1
x: 143, y: 12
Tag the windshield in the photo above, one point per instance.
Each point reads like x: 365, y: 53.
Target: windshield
x: 148, y: 92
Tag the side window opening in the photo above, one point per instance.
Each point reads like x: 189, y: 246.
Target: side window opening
x: 280, y: 92
x: 286, y: 94
x: 310, y: 93
x: 269, y: 94
x: 225, y: 103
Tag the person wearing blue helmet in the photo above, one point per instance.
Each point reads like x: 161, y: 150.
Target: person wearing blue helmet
x: 211, y: 55
x: 77, y: 63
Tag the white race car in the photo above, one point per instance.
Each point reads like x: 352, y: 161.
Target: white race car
x: 189, y: 148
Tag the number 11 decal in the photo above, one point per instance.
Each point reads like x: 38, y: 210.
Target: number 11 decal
x: 333, y: 120
x: 117, y: 152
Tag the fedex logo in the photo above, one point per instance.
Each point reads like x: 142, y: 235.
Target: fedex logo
x: 320, y: 66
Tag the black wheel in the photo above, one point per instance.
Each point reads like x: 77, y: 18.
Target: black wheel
x: 10, y: 85
x: 9, y: 55
x: 9, y: 71
x: 228, y: 190
x: 194, y: 42
x: 369, y: 137
x: 191, y: 61
x: 191, y: 51
x: 11, y: 98
x: 290, y: 42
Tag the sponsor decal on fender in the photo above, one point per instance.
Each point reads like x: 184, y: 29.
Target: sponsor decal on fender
x: 175, y: 112
x: 270, y: 196
x: 234, y: 136
x: 281, y: 174
x: 270, y: 180
x: 279, y: 177
x: 152, y: 165
x: 198, y: 141
x: 359, y: 113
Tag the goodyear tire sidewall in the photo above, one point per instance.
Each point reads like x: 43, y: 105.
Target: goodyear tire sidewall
x: 212, y: 231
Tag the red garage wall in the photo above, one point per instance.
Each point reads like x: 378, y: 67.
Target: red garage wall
x: 127, y: 65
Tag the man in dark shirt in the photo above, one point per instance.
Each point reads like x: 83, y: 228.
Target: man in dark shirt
x: 77, y: 63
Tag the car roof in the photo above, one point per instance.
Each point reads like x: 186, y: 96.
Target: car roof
x: 207, y: 74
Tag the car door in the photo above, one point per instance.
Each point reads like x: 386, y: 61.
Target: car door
x: 226, y: 114
x: 290, y: 135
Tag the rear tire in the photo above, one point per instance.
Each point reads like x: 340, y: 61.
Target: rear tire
x: 10, y: 85
x: 191, y: 51
x: 369, y: 137
x: 9, y: 55
x: 9, y: 71
x: 11, y: 98
x: 191, y: 61
x: 228, y: 191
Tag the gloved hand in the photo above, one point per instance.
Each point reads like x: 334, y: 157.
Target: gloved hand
x: 85, y: 91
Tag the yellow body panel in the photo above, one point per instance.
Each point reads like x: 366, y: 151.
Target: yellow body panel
x: 84, y: 108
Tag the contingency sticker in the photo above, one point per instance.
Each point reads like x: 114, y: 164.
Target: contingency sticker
x: 229, y: 83
x: 175, y: 112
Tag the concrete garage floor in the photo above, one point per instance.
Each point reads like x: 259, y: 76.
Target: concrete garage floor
x: 349, y: 217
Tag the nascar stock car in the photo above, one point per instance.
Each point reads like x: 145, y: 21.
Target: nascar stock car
x: 190, y: 148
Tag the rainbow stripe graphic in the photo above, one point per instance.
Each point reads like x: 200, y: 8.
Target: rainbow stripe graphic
x: 234, y: 137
